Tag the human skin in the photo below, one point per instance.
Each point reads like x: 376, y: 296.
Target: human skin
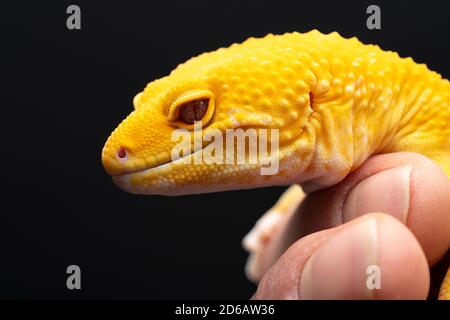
x: 396, y: 204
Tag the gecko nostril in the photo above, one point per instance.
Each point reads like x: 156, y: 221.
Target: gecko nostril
x: 122, y: 153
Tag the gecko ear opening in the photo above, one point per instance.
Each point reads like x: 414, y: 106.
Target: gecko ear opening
x: 191, y: 107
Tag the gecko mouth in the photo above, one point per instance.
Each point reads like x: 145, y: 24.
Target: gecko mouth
x: 123, y: 180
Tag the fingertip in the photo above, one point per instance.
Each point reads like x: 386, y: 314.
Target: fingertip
x: 373, y: 257
x: 402, y: 261
x: 337, y: 269
x: 386, y: 191
x: 408, y: 186
x: 429, y: 208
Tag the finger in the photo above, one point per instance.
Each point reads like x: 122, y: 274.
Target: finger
x: 333, y: 264
x: 408, y: 186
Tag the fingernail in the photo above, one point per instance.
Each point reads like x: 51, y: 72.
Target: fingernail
x: 387, y: 191
x: 338, y: 269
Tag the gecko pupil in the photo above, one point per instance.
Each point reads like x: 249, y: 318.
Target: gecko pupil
x: 193, y: 111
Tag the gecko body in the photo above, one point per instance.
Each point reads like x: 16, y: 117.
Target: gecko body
x: 334, y: 101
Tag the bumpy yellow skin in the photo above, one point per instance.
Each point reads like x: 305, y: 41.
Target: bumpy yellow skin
x: 335, y: 102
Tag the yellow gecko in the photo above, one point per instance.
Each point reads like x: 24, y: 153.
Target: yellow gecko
x: 335, y: 102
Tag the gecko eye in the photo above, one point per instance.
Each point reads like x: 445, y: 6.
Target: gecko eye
x: 191, y: 107
x: 193, y: 111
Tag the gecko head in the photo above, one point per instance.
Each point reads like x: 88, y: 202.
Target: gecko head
x: 229, y: 119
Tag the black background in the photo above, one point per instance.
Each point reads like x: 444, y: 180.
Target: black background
x: 64, y: 91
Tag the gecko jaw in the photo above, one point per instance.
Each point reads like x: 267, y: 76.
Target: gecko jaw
x: 123, y: 181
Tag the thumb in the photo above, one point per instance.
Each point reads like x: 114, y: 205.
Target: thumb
x: 407, y: 186
x: 338, y: 263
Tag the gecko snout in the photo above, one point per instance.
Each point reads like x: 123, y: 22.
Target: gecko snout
x: 115, y: 160
x: 122, y: 153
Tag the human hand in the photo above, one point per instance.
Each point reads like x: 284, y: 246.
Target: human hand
x: 393, y: 212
